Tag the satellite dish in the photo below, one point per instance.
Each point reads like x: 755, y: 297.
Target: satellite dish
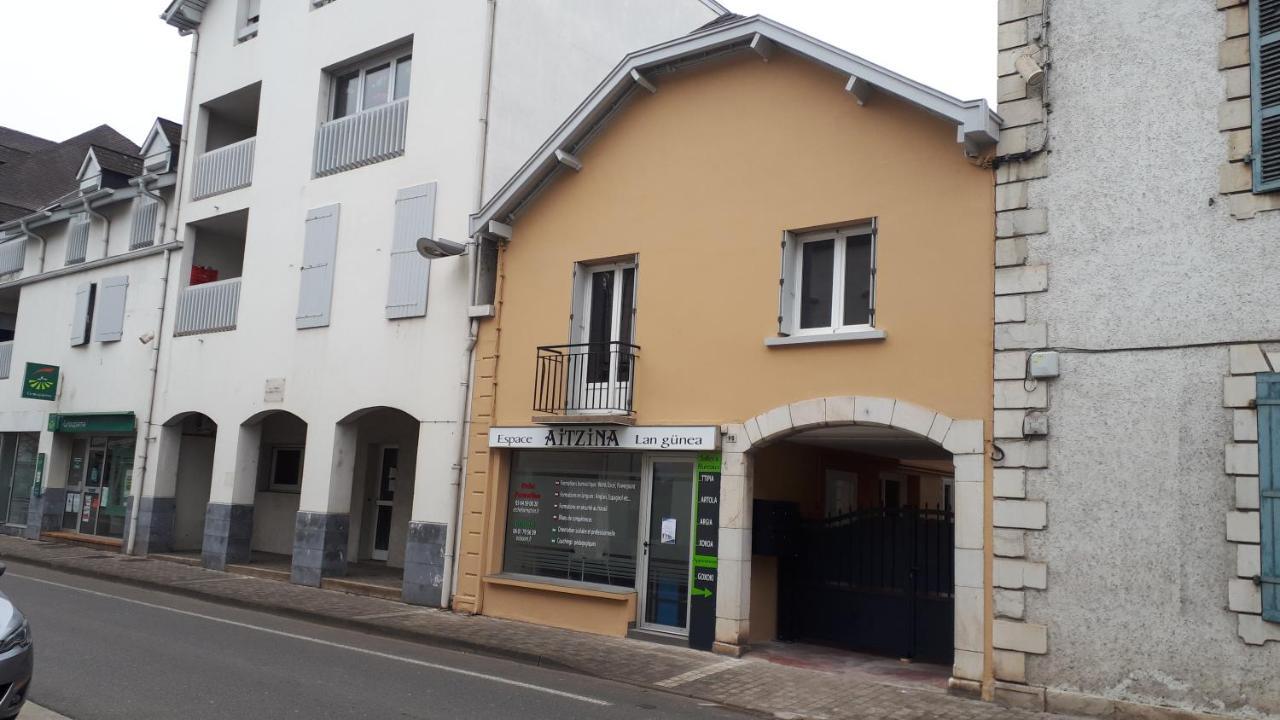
x: 436, y: 248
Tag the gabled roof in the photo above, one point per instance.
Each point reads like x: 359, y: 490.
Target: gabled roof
x: 24, y: 142
x: 976, y: 124
x: 44, y: 176
x: 172, y: 131
x: 109, y: 160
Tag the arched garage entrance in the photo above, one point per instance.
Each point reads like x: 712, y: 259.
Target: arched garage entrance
x: 856, y: 522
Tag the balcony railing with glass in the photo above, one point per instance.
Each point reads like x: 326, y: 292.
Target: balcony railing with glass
x: 361, y: 139
x: 208, y: 307
x: 587, y: 382
x: 228, y: 168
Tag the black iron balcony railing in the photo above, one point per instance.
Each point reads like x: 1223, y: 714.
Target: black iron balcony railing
x: 585, y: 379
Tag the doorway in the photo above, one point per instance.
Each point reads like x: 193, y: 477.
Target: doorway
x: 97, y: 485
x: 666, y: 545
x: 388, y: 472
x: 608, y: 311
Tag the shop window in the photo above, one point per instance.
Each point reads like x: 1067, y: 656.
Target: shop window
x: 286, y: 469
x: 574, y: 517
x: 828, y: 281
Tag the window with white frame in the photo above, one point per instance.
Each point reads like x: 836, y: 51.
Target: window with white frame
x: 828, y: 280
x: 286, y: 468
x: 374, y: 83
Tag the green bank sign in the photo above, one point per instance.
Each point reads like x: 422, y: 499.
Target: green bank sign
x: 121, y: 422
x: 40, y: 382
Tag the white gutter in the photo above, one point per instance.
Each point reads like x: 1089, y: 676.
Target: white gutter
x: 144, y: 456
x: 453, y: 545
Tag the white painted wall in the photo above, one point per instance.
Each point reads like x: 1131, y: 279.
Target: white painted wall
x: 551, y: 53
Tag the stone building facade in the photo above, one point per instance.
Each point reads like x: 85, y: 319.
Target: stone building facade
x: 1132, y: 287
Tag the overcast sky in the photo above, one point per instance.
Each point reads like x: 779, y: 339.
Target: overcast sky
x: 77, y: 64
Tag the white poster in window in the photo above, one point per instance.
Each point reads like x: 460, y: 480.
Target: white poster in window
x: 668, y: 536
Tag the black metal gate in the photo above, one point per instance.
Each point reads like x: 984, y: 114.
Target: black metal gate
x: 877, y: 580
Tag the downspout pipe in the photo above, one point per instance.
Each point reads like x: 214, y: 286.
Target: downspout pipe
x: 88, y: 207
x: 453, y: 544
x: 142, y: 460
x: 26, y: 231
x: 141, y: 184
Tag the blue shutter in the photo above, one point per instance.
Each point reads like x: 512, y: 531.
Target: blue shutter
x: 1264, y: 62
x: 410, y: 272
x: 319, y: 248
x: 1269, y: 487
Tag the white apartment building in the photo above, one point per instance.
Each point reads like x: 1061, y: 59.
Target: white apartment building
x: 312, y: 392
x: 85, y: 246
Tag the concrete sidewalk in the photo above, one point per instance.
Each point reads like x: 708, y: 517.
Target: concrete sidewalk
x: 748, y: 683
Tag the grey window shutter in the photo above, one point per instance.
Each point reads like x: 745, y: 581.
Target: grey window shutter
x: 1264, y: 61
x: 1269, y: 491
x: 319, y: 248
x: 410, y: 272
x: 144, y: 223
x: 77, y: 238
x: 787, y: 286
x: 80, y: 314
x: 108, y: 313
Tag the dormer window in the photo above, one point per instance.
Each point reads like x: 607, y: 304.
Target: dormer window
x: 157, y: 149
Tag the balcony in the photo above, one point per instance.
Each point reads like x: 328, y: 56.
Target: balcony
x: 361, y: 139
x: 6, y: 358
x: 208, y: 307
x: 585, y: 383
x: 228, y: 168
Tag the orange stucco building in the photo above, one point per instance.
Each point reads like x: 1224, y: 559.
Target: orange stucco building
x: 737, y: 356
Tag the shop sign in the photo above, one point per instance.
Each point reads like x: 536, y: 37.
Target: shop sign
x: 706, y: 552
x: 37, y: 487
x: 92, y: 422
x: 606, y: 437
x: 40, y: 382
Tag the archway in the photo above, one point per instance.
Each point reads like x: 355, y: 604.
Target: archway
x: 277, y: 461
x: 193, y: 476
x: 900, y: 486
x: 382, y: 485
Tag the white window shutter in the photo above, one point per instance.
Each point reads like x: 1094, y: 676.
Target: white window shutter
x: 787, y: 286
x: 315, y: 286
x: 577, y: 313
x: 108, y: 313
x: 410, y: 272
x: 80, y: 315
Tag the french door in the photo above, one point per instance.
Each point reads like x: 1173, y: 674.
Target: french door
x: 666, y: 543
x: 384, y: 507
x: 602, y: 375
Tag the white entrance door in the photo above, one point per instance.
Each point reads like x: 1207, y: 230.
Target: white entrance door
x: 388, y: 474
x: 601, y: 369
x: 666, y: 543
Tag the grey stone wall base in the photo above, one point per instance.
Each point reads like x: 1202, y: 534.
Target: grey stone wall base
x: 1070, y: 703
x: 424, y: 564
x: 319, y: 547
x: 156, y: 516
x: 45, y: 512
x: 228, y: 535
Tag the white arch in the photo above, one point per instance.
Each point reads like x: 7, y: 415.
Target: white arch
x: 963, y: 438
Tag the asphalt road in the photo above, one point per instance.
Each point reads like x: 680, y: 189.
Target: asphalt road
x: 106, y: 650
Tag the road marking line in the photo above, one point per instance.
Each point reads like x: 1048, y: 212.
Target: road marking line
x: 379, y: 616
x: 697, y: 674
x: 327, y: 643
